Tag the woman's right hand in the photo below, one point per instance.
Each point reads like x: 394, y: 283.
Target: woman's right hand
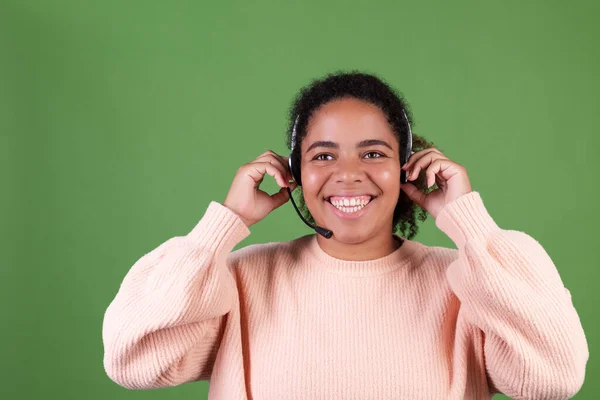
x: 245, y: 197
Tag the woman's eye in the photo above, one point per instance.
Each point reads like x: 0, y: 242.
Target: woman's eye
x: 374, y: 154
x: 320, y: 157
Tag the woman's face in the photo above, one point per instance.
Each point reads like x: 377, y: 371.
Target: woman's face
x: 351, y: 170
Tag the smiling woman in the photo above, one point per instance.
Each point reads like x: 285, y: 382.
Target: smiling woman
x: 368, y: 313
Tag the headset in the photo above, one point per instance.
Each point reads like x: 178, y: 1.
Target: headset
x: 294, y: 165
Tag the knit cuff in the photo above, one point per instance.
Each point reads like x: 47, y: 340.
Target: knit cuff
x: 466, y: 219
x: 219, y: 230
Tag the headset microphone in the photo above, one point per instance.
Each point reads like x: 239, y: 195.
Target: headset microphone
x: 294, y: 164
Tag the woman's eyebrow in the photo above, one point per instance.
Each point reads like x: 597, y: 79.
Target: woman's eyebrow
x: 332, y: 145
x: 374, y: 142
x: 323, y: 143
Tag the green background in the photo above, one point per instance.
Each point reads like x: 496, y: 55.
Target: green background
x: 121, y: 120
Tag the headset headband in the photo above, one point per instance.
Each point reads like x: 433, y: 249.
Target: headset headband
x: 294, y: 133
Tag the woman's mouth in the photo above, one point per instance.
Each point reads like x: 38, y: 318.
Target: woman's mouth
x: 349, y: 207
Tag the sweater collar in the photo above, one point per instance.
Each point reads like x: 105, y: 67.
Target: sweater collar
x: 398, y: 258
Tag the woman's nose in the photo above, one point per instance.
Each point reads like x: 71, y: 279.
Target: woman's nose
x: 349, y: 171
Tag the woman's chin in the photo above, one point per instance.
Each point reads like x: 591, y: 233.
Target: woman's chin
x: 349, y: 235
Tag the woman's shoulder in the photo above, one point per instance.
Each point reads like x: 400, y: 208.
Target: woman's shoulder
x: 271, y: 252
x: 437, y: 255
x: 430, y: 262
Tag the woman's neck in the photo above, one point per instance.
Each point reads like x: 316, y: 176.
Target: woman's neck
x: 371, y: 249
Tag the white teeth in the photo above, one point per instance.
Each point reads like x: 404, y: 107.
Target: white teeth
x: 347, y: 206
x: 350, y: 202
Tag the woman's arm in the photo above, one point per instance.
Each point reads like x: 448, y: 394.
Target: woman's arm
x: 165, y: 324
x: 535, y: 346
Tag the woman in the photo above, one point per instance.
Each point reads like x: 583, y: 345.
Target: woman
x: 367, y: 313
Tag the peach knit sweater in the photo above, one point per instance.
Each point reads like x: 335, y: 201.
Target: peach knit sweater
x: 287, y: 321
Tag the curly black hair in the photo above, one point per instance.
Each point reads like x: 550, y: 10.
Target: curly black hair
x: 374, y: 90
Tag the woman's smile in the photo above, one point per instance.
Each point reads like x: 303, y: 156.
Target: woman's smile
x: 349, y: 207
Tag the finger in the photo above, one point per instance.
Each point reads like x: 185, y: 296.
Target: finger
x: 272, y: 154
x: 257, y: 170
x: 286, y: 166
x: 423, y: 163
x: 267, y: 153
x: 415, y: 157
x: 414, y: 193
x: 280, y: 198
x: 432, y: 171
x: 441, y: 168
x: 279, y: 162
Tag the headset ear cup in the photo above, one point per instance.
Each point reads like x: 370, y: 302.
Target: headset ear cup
x: 295, y: 168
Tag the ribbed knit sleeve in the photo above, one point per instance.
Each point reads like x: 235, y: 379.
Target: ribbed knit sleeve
x: 164, y: 326
x: 535, y: 346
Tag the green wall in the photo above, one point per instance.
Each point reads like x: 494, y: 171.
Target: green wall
x: 121, y: 120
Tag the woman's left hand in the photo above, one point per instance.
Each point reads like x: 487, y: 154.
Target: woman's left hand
x: 451, y: 178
